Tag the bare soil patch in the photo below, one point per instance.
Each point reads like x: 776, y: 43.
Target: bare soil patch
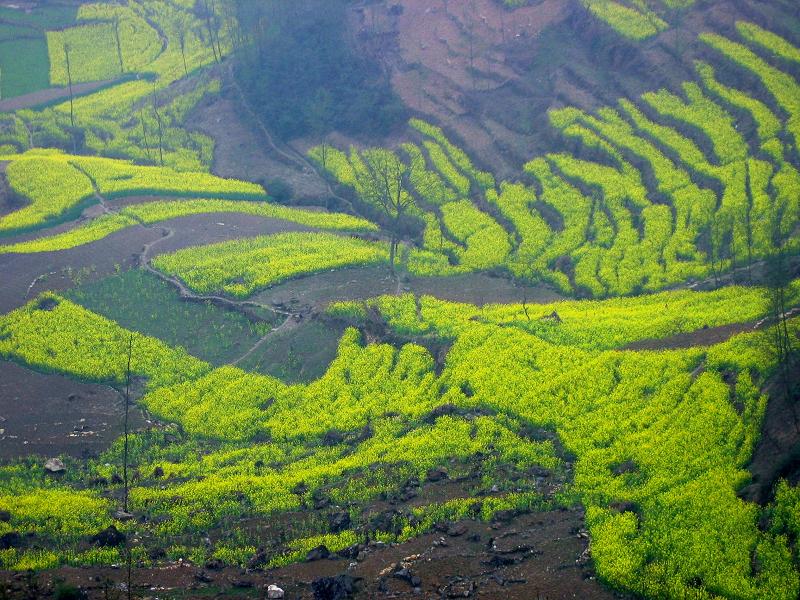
x: 701, y: 337
x: 481, y: 288
x: 317, y: 291
x: 26, y: 275
x: 49, y: 95
x: 539, y: 555
x: 50, y: 415
x: 198, y: 230
x: 242, y: 153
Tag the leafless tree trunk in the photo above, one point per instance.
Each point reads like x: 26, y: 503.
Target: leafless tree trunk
x: 382, y: 183
x: 69, y: 81
x: 144, y: 134
x: 182, y: 42
x: 127, y: 408
x: 119, y: 45
x: 160, y: 129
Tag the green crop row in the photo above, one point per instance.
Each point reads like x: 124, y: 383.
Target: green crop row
x: 54, y: 334
x: 52, y: 186
x: 56, y: 184
x: 486, y: 243
x: 156, y: 212
x: 684, y: 437
x: 780, y: 85
x: 120, y: 121
x: 683, y: 440
x: 591, y: 325
x: 768, y: 124
x: 700, y: 112
x: 241, y: 267
x: 484, y: 180
x: 768, y: 40
x: 428, y: 184
x: 632, y: 23
x: 92, y: 47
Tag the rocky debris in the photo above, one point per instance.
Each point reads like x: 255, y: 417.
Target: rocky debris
x: 258, y: 560
x: 353, y: 551
x: 553, y: 317
x: 407, y: 576
x: 338, y: 522
x: 10, y: 539
x: 122, y: 515
x: 47, y: 304
x: 202, y: 577
x: 340, y: 587
x: 242, y: 584
x: 497, y: 561
x: 626, y: 467
x: 436, y: 474
x: 54, y: 465
x: 318, y: 553
x: 504, y: 515
x: 110, y: 536
x: 320, y: 501
x: 537, y: 471
x: 622, y: 507
x: 458, y: 588
x: 456, y: 529
x: 274, y: 592
x: 157, y: 553
x: 73, y: 397
x: 388, y: 521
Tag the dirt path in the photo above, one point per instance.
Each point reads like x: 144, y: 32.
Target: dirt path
x: 705, y: 337
x: 289, y: 323
x: 49, y: 95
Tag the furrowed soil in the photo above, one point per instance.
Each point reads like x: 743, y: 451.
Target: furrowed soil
x: 536, y: 556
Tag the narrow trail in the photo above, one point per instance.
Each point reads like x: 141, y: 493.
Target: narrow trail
x: 290, y: 323
x: 37, y: 280
x: 293, y: 157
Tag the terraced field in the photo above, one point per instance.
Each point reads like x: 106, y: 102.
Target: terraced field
x: 564, y: 382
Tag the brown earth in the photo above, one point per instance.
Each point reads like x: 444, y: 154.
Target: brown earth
x: 531, y: 557
x: 489, y: 75
x: 35, y: 99
x: 51, y: 415
x: 690, y: 339
x: 60, y: 270
x: 241, y: 152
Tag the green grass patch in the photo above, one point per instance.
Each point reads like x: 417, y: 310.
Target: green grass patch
x: 299, y: 355
x: 41, y: 17
x: 140, y: 301
x: 24, y: 66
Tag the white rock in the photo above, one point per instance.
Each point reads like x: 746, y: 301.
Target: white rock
x: 273, y: 591
x: 54, y: 465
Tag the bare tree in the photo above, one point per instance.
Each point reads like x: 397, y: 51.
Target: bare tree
x: 323, y: 153
x: 69, y: 81
x: 778, y: 280
x: 125, y: 424
x: 119, y: 45
x: 144, y: 133
x: 203, y: 11
x: 182, y: 43
x: 160, y: 128
x: 381, y: 182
